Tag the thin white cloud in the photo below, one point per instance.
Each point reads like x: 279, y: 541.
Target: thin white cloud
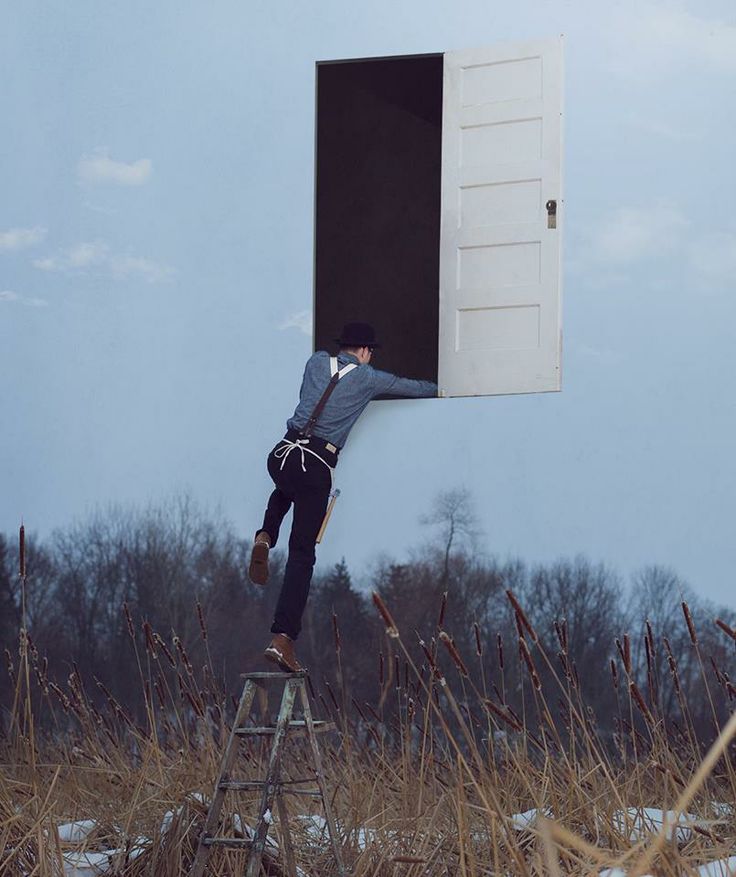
x: 150, y: 271
x: 630, y: 234
x: 301, y: 320
x: 20, y: 238
x: 8, y: 295
x: 656, y: 38
x: 76, y: 258
x: 96, y: 257
x: 713, y: 257
x: 98, y: 167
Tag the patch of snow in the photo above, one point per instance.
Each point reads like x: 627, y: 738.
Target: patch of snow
x: 522, y: 821
x: 721, y: 809
x: 86, y: 864
x: 635, y: 823
x: 721, y: 868
x: 75, y: 832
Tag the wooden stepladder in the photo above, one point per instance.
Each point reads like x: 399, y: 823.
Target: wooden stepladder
x: 272, y: 788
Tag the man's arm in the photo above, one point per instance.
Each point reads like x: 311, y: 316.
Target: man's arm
x: 386, y: 384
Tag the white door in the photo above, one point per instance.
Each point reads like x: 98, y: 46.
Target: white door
x: 500, y: 328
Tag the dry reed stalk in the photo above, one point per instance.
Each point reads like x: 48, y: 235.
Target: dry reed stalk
x: 729, y: 631
x: 689, y: 622
x: 521, y: 615
x: 443, y: 609
x: 526, y: 656
x: 714, y: 754
x: 391, y: 628
x: 453, y: 652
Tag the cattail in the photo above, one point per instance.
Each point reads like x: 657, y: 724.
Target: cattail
x: 499, y: 646
x: 202, y: 624
x: 672, y: 665
x: 719, y: 678
x: 165, y: 649
x: 503, y: 715
x: 521, y: 615
x: 360, y: 711
x: 332, y: 695
x: 22, y: 551
x: 729, y: 631
x: 391, y: 628
x: 196, y: 706
x: 397, y: 672
x: 625, y: 653
x: 335, y: 632
x: 524, y: 651
x: 453, y: 652
x: 380, y: 668
x: 648, y: 654
x: 575, y: 677
x: 443, y: 608
x: 159, y: 691
x: 650, y: 636
x: 614, y: 674
x: 640, y: 702
x: 478, y: 644
x: 129, y: 620
x: 430, y: 660
x: 183, y: 655
x: 150, y: 643
x: 558, y: 631
x: 689, y: 622
x: 406, y: 675
x: 731, y: 690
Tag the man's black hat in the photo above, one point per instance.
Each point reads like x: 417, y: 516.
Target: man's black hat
x: 357, y: 335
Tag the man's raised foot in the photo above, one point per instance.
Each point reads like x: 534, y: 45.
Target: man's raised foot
x: 258, y: 569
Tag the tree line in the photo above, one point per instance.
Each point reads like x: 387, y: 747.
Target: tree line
x: 91, y: 587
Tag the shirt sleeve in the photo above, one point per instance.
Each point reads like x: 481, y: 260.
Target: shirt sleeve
x: 384, y: 383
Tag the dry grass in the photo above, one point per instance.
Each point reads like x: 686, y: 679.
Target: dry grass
x: 425, y: 780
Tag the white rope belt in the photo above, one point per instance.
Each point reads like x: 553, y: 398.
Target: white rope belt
x: 288, y: 446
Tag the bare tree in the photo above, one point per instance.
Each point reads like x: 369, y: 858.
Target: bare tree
x: 453, y: 512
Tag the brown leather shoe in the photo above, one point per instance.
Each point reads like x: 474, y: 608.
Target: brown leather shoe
x: 258, y: 569
x: 281, y: 651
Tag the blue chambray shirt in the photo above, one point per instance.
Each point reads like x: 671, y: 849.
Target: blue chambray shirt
x: 350, y: 397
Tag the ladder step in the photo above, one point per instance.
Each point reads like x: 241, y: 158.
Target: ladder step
x: 266, y: 675
x: 252, y: 785
x: 293, y: 726
x: 227, y: 842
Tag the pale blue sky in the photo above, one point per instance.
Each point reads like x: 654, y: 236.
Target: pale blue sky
x: 156, y: 170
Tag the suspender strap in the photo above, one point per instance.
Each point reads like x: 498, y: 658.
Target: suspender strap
x: 336, y: 375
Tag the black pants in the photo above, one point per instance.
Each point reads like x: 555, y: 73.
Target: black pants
x: 309, y: 492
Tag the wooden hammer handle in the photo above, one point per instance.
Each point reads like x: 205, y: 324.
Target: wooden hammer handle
x: 326, y: 518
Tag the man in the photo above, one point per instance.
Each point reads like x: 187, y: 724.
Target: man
x: 334, y: 393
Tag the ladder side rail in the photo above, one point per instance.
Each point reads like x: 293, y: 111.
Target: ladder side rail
x: 286, y: 836
x: 226, y: 763
x: 331, y: 826
x: 272, y: 779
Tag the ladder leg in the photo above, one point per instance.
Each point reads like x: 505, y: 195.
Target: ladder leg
x: 272, y: 779
x: 332, y: 828
x: 226, y: 764
x: 288, y: 846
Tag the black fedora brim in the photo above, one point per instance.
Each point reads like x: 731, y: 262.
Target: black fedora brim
x: 357, y: 344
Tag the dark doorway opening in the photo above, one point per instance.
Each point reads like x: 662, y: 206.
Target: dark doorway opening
x: 377, y: 206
